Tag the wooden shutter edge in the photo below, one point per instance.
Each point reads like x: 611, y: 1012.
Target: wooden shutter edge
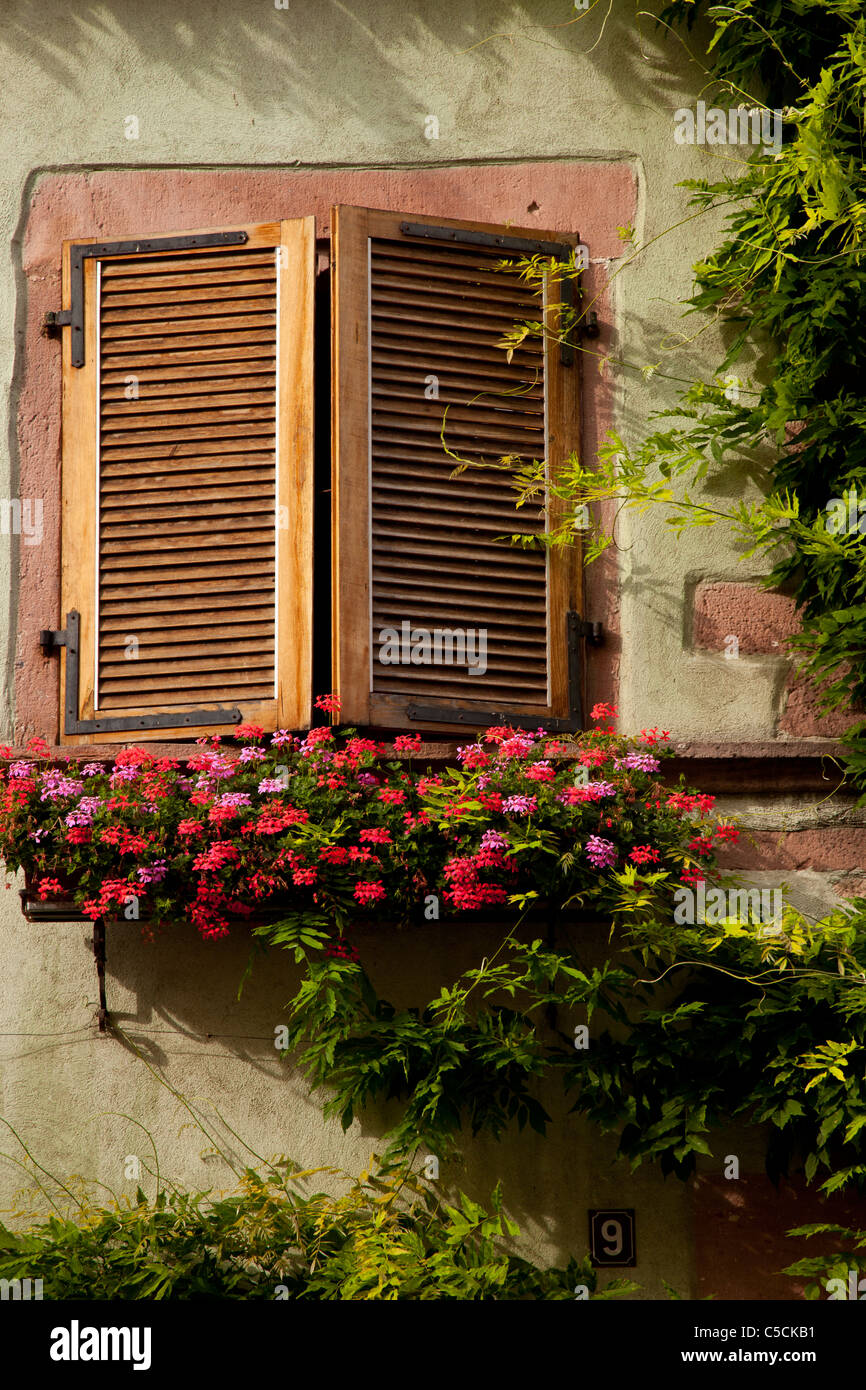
x: 79, y: 423
x: 295, y: 474
x: 350, y: 467
x: 565, y: 564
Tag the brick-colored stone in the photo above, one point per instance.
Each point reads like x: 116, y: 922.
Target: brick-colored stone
x: 760, y: 620
x: 851, y: 886
x: 803, y: 716
x: 739, y: 1231
x: 827, y: 848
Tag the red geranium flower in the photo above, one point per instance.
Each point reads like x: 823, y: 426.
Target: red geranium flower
x: 392, y: 796
x: 369, y: 892
x: 644, y: 854
x: 47, y: 886
x: 603, y: 711
x: 407, y: 743
x: 376, y: 836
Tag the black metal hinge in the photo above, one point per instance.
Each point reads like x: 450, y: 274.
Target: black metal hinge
x: 576, y: 629
x: 53, y: 321
x: 588, y: 325
x: 99, y: 957
x: 74, y: 317
x: 468, y: 236
x: 69, y: 637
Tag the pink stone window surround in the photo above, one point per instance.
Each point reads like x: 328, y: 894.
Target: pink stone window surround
x: 592, y: 198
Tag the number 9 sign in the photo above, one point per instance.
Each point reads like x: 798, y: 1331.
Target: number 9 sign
x: 611, y: 1237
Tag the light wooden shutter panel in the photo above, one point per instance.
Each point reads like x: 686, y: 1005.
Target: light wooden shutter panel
x: 417, y: 302
x: 188, y: 482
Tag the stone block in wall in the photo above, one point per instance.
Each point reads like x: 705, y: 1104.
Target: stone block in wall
x: 763, y: 623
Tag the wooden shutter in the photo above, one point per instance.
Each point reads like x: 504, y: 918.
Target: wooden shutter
x: 418, y: 305
x: 188, y: 482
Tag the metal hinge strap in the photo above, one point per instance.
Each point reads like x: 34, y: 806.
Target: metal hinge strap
x: 577, y: 628
x: 69, y: 637
x: 561, y: 250
x: 74, y: 317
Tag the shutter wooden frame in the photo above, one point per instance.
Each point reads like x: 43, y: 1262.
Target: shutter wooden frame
x: 292, y: 445
x: 352, y: 231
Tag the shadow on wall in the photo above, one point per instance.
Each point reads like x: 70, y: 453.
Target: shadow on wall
x: 184, y: 992
x: 707, y: 1237
x: 361, y: 60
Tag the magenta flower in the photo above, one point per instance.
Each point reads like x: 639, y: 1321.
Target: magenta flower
x: 600, y: 853
x: 213, y: 764
x: 638, y: 762
x: 233, y: 799
x: 520, y: 805
x: 55, y: 783
x: 271, y: 784
x: 153, y: 873
x: 83, y: 813
x: 127, y: 772
x: 491, y: 839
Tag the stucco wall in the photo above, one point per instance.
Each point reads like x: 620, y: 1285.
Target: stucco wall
x: 349, y: 87
x: 321, y: 102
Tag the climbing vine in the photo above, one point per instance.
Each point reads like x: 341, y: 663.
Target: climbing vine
x: 786, y: 286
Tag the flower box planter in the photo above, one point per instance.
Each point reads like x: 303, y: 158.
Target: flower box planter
x: 320, y: 833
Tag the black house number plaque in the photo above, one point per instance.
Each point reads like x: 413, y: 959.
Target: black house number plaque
x: 611, y: 1237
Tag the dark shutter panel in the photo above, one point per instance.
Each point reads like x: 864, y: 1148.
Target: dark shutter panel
x: 438, y: 309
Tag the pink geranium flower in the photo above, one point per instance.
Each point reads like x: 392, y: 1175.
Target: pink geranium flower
x: 600, y: 853
x: 520, y: 805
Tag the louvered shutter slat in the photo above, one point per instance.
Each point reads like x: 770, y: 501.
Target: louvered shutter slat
x: 138, y: 310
